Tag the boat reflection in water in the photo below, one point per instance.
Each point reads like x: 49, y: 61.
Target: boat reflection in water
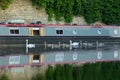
x: 41, y: 56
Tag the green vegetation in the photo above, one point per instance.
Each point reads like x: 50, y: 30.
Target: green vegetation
x: 4, y: 77
x: 106, y: 11
x: 92, y: 11
x: 60, y: 9
x: 90, y: 71
x: 4, y: 4
x: 111, y: 12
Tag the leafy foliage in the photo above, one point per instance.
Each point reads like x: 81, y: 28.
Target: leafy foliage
x: 92, y: 10
x: 106, y: 11
x: 4, y: 4
x: 89, y: 71
x: 60, y: 9
x: 4, y: 77
x: 78, y: 8
x: 49, y: 73
x: 111, y: 12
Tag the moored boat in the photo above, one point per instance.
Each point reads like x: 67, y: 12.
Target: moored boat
x: 18, y: 32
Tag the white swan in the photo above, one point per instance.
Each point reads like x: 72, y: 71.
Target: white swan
x: 31, y: 45
x: 75, y: 44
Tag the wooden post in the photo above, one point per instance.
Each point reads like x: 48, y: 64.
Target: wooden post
x: 26, y: 45
x: 80, y: 44
x: 86, y: 44
x: 59, y: 44
x: 97, y: 45
x: 70, y: 45
x: 45, y: 45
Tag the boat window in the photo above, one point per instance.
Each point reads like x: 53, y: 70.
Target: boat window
x: 99, y: 31
x: 59, y: 31
x: 14, y: 59
x: 36, y: 33
x: 14, y: 31
x: 115, y: 31
x: 74, y: 32
x: 36, y: 57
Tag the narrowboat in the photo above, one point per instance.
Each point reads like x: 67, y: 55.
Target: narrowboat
x: 17, y: 31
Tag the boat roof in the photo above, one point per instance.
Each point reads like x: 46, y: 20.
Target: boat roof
x: 55, y: 25
x: 16, y: 21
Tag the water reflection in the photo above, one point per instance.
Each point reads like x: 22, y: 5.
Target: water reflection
x: 61, y: 56
x: 79, y: 55
x: 55, y: 57
x: 39, y: 48
x: 42, y: 54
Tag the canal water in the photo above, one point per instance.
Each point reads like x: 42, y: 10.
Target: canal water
x: 52, y: 53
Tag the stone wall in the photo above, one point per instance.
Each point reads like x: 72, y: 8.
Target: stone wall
x: 23, y: 73
x: 23, y: 9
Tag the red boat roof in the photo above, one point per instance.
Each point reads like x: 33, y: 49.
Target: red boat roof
x: 54, y: 25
